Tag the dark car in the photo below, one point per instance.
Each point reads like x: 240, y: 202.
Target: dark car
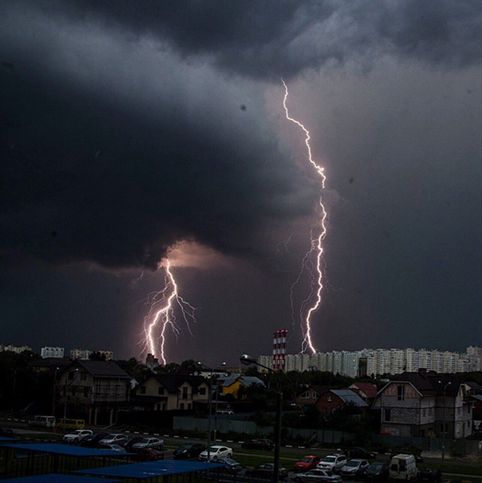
x: 6, y: 432
x: 92, y: 441
x: 131, y: 442
x: 266, y: 471
x: 361, y: 453
x: 430, y: 476
x: 147, y: 454
x: 376, y: 472
x: 188, y: 451
x: 265, y: 444
x: 231, y: 466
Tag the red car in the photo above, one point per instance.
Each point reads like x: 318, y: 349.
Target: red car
x: 307, y: 463
x: 147, y: 454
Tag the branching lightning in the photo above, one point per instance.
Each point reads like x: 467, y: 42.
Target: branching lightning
x: 162, y: 314
x: 316, y: 247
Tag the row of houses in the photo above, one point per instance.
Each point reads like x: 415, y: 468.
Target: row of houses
x: 412, y: 404
x: 99, y: 390
x: 421, y: 404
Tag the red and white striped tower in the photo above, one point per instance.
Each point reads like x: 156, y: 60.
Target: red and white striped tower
x: 279, y: 349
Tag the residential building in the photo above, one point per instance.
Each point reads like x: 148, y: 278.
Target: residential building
x: 425, y: 404
x: 18, y: 349
x: 376, y: 362
x: 54, y: 352
x: 310, y: 395
x: 82, y: 354
x: 366, y: 390
x: 170, y: 392
x: 336, y: 399
x: 233, y: 383
x: 95, y: 390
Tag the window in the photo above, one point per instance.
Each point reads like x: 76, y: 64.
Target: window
x: 424, y: 412
x: 160, y: 391
x: 86, y: 391
x: 184, y: 392
x: 388, y: 415
x: 143, y: 390
x: 400, y: 392
x: 83, y: 376
x: 181, y: 406
x: 202, y: 391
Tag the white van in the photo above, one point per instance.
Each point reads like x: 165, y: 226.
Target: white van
x: 403, y: 467
x: 44, y: 421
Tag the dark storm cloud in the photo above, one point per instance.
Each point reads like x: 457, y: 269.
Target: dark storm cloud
x: 110, y: 153
x: 276, y: 38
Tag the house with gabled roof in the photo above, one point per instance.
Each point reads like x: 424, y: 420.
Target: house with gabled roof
x: 425, y: 404
x: 167, y: 392
x: 337, y: 399
x: 95, y: 390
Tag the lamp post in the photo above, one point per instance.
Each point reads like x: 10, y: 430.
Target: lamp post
x: 444, y: 424
x: 247, y: 360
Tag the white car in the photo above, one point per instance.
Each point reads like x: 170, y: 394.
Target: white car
x: 77, y: 435
x: 317, y: 475
x: 332, y: 462
x: 148, y: 443
x: 216, y: 453
x: 114, y: 438
x: 354, y: 467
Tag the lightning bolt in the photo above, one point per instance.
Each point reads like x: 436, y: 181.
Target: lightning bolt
x: 316, y: 247
x: 162, y: 314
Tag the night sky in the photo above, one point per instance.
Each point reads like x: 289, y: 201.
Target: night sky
x: 132, y: 128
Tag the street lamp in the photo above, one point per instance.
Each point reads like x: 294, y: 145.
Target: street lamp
x: 444, y: 424
x: 247, y: 360
x: 210, y: 403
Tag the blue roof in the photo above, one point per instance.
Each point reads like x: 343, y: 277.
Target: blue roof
x: 64, y: 449
x: 6, y: 438
x: 56, y: 478
x: 350, y: 397
x: 152, y: 469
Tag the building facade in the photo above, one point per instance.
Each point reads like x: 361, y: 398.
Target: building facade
x: 52, y: 352
x: 425, y: 404
x: 94, y: 390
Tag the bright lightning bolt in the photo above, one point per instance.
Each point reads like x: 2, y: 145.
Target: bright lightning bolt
x: 316, y: 243
x: 162, y: 314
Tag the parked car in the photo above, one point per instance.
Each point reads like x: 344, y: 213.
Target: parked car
x: 6, y: 432
x: 377, y: 472
x: 333, y: 462
x: 266, y: 471
x: 230, y: 465
x: 361, y: 453
x: 77, y: 435
x: 430, y: 476
x: 317, y: 475
x: 265, y: 444
x: 113, y: 438
x: 43, y: 421
x: 188, y: 451
x: 149, y: 442
x: 148, y: 454
x: 403, y: 467
x: 307, y: 463
x: 129, y: 443
x: 354, y: 468
x: 93, y: 440
x: 216, y: 453
x: 115, y: 447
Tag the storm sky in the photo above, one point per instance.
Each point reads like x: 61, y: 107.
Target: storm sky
x: 129, y: 129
